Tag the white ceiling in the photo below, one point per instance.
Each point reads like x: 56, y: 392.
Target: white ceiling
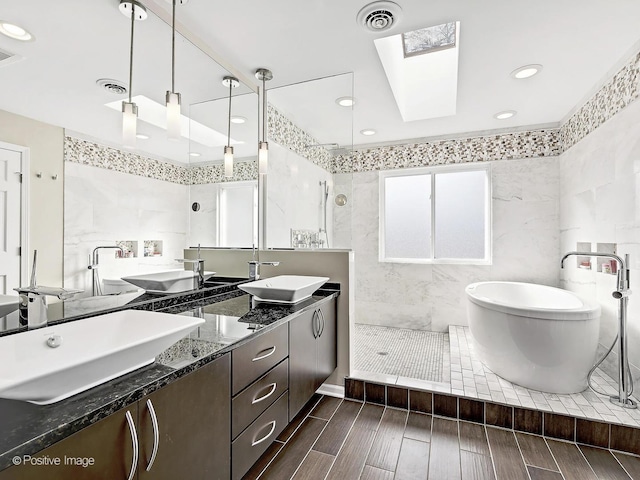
x: 579, y: 43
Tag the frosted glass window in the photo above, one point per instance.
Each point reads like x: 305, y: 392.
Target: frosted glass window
x: 407, y: 207
x: 460, y: 214
x: 237, y: 216
x: 435, y: 215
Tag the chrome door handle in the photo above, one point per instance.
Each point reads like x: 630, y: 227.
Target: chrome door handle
x: 260, y: 357
x: 273, y: 386
x: 273, y: 427
x: 323, y: 322
x: 156, y: 434
x: 314, y: 327
x: 134, y: 441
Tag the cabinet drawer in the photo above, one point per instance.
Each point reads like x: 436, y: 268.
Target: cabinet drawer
x: 255, y: 358
x: 258, y: 397
x: 253, y: 442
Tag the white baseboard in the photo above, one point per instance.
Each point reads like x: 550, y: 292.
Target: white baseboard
x: 331, y: 390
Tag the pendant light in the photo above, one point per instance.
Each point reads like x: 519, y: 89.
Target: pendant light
x: 136, y: 11
x: 231, y: 82
x: 174, y: 121
x: 263, y: 75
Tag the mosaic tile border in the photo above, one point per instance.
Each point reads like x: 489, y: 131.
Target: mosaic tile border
x: 614, y: 96
x: 287, y: 134
x: 94, y: 154
x: 505, y: 146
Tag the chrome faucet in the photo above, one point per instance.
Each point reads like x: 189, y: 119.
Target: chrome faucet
x: 95, y: 279
x: 32, y: 304
x: 622, y: 295
x: 254, y: 268
x: 198, y: 269
x: 254, y: 265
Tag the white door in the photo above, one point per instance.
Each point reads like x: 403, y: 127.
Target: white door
x: 10, y: 220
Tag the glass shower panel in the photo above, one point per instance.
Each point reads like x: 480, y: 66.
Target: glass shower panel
x: 407, y: 211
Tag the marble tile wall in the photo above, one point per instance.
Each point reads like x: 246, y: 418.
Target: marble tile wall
x: 294, y: 196
x: 431, y: 297
x: 600, y: 203
x: 102, y: 206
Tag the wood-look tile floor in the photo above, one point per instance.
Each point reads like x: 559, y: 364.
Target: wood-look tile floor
x: 346, y: 440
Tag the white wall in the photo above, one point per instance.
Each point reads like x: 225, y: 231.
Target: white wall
x: 46, y: 145
x: 102, y: 206
x: 600, y: 203
x: 431, y: 297
x: 294, y: 196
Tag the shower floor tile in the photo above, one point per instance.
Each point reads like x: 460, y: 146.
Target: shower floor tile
x: 402, y: 354
x: 480, y: 382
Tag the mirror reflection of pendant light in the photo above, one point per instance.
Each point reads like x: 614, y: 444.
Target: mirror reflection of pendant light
x: 135, y: 11
x: 263, y: 75
x: 174, y: 122
x: 231, y: 82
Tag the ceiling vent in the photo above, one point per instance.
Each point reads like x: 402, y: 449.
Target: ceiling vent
x: 112, y: 86
x: 6, y: 58
x: 379, y: 16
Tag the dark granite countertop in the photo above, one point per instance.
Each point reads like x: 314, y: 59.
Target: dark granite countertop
x: 231, y: 317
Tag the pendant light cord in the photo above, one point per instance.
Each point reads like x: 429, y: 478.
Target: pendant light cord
x: 264, y: 110
x: 133, y: 21
x: 173, y: 49
x: 229, y: 116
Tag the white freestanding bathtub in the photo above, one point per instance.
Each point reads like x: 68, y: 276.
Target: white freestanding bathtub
x: 539, y: 337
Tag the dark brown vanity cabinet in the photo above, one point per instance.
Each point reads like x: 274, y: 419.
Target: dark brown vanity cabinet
x: 179, y: 431
x: 312, y: 353
x: 260, y: 385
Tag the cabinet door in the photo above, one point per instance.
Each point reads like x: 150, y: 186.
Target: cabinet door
x: 302, y: 360
x: 108, y: 442
x: 327, y: 342
x: 192, y: 424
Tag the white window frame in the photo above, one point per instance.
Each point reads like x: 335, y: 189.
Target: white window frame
x: 433, y: 171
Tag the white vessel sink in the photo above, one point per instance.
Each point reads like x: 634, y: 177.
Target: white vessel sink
x: 8, y: 304
x: 169, y: 281
x: 91, y: 351
x: 284, y: 288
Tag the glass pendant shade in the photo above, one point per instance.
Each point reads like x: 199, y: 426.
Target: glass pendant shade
x: 129, y: 124
x: 228, y: 162
x: 174, y: 121
x: 263, y: 157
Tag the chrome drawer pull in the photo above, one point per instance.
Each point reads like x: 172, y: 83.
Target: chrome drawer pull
x: 314, y: 324
x: 134, y: 441
x: 273, y: 427
x: 260, y: 357
x: 156, y: 434
x: 264, y: 397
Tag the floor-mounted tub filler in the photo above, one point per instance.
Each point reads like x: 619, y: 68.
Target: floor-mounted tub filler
x: 540, y: 337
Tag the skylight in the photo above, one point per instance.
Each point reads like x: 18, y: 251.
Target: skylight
x: 424, y: 85
x: 429, y: 39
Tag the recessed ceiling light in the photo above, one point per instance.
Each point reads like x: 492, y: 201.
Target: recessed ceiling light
x: 238, y: 119
x: 142, y: 136
x: 346, y: 101
x: 504, y: 115
x: 526, y: 71
x: 14, y: 31
x: 368, y: 131
x: 194, y: 154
